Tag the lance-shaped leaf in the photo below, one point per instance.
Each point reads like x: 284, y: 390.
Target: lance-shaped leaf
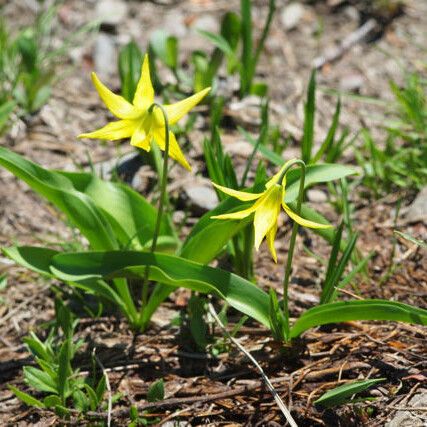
x: 130, y: 215
x: 167, y: 269
x: 346, y: 311
x: 59, y: 190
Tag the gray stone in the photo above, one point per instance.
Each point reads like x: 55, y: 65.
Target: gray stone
x: 206, y: 23
x: 174, y: 24
x: 417, y: 210
x: 317, y: 196
x: 411, y: 418
x: 291, y: 15
x: 105, y: 56
x: 352, y: 82
x: 201, y: 197
x: 111, y: 12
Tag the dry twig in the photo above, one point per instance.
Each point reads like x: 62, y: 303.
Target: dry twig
x: 273, y: 391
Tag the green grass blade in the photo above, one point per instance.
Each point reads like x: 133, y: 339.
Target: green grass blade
x: 330, y: 137
x: 247, y: 48
x: 329, y: 292
x: 25, y: 397
x: 309, y: 115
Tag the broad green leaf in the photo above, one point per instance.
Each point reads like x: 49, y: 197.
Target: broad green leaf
x: 39, y: 380
x: 31, y: 257
x: 167, y: 269
x: 315, y: 174
x: 341, y: 394
x: 58, y: 190
x: 34, y: 258
x: 26, y: 398
x: 130, y: 215
x: 204, y: 246
x: 347, y: 311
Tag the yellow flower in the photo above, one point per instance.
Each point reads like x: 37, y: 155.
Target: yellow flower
x: 267, y: 210
x: 140, y: 122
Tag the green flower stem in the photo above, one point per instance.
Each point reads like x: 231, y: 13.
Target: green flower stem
x: 295, y: 225
x: 161, y: 203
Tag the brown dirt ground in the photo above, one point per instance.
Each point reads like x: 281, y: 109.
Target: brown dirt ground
x: 226, y: 390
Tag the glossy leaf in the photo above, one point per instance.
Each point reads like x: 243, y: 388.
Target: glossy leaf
x: 347, y: 311
x: 26, y: 398
x: 58, y: 190
x: 39, y: 380
x: 341, y: 394
x: 315, y: 174
x: 40, y: 259
x: 130, y: 215
x: 166, y: 269
x: 34, y: 258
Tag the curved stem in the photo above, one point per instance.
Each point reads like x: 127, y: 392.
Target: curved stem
x: 288, y: 266
x: 161, y: 202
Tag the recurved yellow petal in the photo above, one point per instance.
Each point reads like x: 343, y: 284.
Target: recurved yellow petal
x: 236, y: 215
x: 178, y: 110
x: 241, y: 195
x: 302, y: 221
x: 176, y: 153
x: 174, y: 149
x: 266, y: 213
x: 144, y: 94
x: 271, y: 235
x: 115, y: 103
x: 113, y: 130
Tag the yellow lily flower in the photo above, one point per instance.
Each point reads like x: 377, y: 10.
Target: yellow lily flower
x: 267, y: 210
x: 138, y: 121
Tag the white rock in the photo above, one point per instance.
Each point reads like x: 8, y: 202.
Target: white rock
x: 105, y: 56
x: 111, y: 12
x: 206, y: 23
x: 410, y: 418
x: 202, y: 198
x: 317, y: 196
x: 352, y: 82
x: 417, y: 210
x: 291, y: 15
